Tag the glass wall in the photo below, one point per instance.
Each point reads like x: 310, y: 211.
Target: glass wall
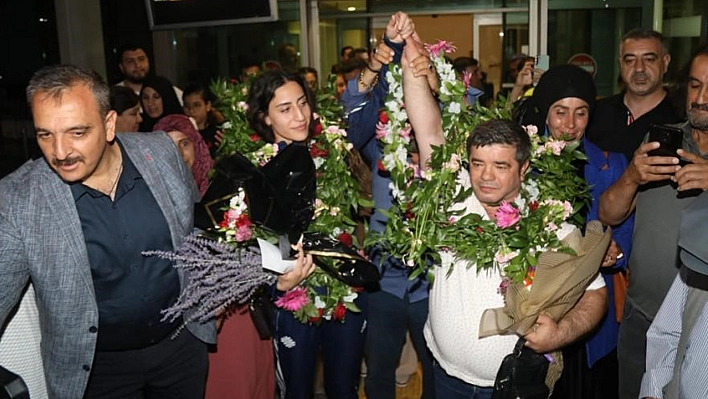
x: 684, y: 24
x: 210, y: 52
x: 595, y: 32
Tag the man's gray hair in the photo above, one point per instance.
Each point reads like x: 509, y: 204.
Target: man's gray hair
x: 642, y: 33
x: 56, y: 79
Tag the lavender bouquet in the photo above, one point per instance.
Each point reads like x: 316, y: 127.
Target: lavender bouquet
x: 218, y: 275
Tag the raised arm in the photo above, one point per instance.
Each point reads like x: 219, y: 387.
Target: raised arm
x: 618, y: 201
x: 421, y: 106
x: 365, y: 93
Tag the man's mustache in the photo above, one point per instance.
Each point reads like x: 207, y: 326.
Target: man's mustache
x: 701, y: 107
x: 640, y: 75
x: 66, y: 162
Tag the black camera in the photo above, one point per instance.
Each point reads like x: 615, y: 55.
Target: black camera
x: 12, y: 386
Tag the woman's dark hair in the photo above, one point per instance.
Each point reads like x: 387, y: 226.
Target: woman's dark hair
x: 170, y: 103
x: 261, y: 94
x: 122, y: 99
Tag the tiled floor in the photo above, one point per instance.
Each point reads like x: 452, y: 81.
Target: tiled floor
x: 410, y: 391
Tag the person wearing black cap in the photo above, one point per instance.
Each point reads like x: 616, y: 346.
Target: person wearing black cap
x: 561, y: 103
x: 561, y: 106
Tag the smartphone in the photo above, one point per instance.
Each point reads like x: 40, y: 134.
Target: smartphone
x: 670, y: 139
x: 542, y: 61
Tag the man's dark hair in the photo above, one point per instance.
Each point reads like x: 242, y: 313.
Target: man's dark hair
x: 261, y: 94
x: 499, y: 131
x: 305, y: 70
x: 642, y: 33
x: 56, y: 79
x: 357, y: 51
x: 344, y: 50
x: 460, y: 64
x: 250, y: 63
x: 128, y: 47
x: 122, y: 99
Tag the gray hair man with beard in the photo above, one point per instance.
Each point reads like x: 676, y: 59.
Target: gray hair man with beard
x: 681, y: 323
x: 658, y: 188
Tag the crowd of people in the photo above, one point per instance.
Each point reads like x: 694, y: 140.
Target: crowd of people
x: 82, y: 306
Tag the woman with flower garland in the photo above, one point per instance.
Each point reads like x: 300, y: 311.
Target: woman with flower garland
x: 281, y: 111
x: 562, y: 104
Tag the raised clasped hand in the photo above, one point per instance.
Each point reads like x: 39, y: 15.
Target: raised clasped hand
x: 399, y: 27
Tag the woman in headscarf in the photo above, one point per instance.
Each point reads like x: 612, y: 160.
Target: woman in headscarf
x: 561, y: 106
x: 191, y: 145
x: 158, y: 100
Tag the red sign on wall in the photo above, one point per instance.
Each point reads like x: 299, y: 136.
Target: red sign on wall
x: 584, y: 61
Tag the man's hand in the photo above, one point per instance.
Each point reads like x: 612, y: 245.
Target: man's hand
x: 304, y: 266
x: 399, y: 27
x: 547, y: 335
x: 544, y: 336
x: 693, y: 175
x: 644, y: 168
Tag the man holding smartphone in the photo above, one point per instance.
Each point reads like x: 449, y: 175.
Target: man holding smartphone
x: 657, y: 188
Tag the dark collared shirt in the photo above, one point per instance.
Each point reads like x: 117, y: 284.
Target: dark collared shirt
x: 130, y: 288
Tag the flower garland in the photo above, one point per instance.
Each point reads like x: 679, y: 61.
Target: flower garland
x: 426, y: 217
x: 320, y: 296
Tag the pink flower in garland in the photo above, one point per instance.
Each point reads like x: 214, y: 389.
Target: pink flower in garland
x: 405, y: 132
x: 382, y: 130
x: 507, y: 215
x: 466, y: 77
x: 441, y: 46
x: 293, y: 300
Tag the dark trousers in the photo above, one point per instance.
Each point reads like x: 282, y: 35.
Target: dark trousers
x: 389, y: 319
x: 580, y: 382
x: 342, y: 344
x: 173, y: 368
x: 449, y: 387
x: 631, y: 351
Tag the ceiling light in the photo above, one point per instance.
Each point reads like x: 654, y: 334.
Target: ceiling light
x: 351, y: 8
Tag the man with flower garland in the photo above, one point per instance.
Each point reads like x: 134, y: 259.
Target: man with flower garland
x: 402, y: 303
x: 499, y: 157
